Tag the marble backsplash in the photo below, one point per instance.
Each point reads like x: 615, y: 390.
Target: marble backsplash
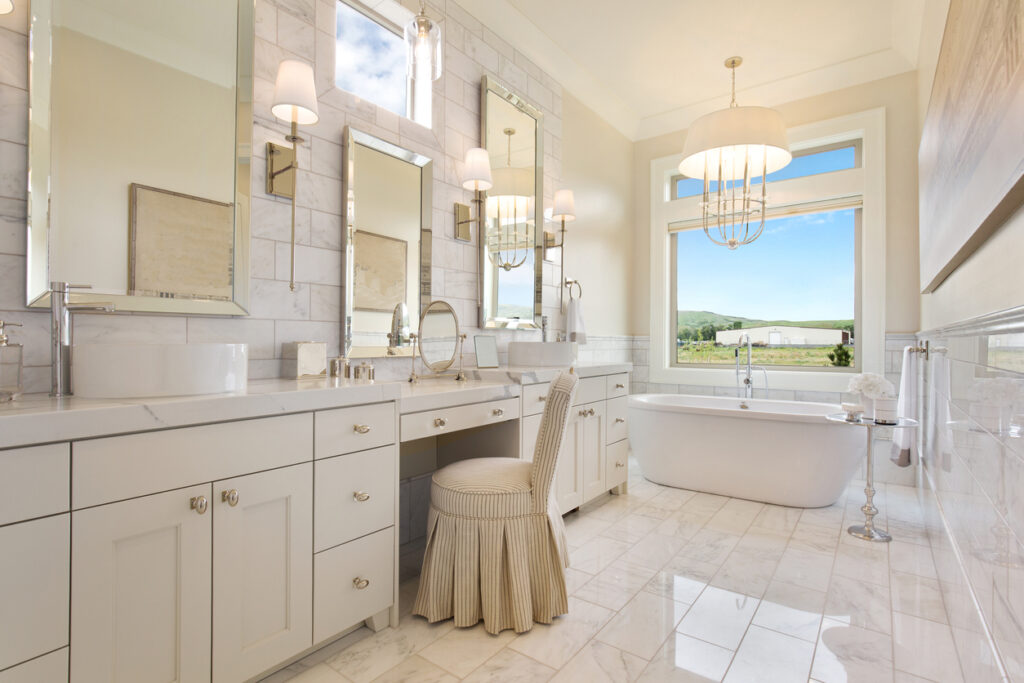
x: 973, y: 456
x: 298, y: 29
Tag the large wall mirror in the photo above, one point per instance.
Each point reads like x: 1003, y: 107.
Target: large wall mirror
x: 511, y: 236
x: 388, y: 195
x: 139, y: 148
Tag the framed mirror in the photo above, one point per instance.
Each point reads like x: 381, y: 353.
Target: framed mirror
x: 388, y: 195
x: 139, y: 153
x: 439, y: 336
x: 511, y: 239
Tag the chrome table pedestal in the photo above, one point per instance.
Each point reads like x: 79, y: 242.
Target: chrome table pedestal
x: 867, y: 530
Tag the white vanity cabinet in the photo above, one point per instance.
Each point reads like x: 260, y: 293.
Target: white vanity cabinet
x: 594, y: 456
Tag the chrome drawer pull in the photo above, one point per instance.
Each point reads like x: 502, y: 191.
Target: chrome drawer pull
x: 198, y: 503
x: 619, y: 464
x: 583, y: 413
x: 440, y: 422
x: 229, y: 497
x: 497, y: 412
x: 620, y: 386
x: 361, y: 496
x: 620, y: 420
x: 590, y: 412
x: 360, y: 583
x: 361, y: 429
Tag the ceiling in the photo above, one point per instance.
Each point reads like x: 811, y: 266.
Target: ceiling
x: 652, y: 66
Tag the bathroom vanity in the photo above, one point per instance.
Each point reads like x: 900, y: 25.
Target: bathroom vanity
x: 248, y: 529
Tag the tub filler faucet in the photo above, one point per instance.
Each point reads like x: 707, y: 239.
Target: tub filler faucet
x: 748, y: 381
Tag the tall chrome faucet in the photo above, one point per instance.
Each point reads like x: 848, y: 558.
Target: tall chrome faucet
x: 61, y: 336
x: 748, y: 380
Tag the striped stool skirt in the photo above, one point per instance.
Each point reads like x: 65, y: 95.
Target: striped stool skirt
x: 496, y: 547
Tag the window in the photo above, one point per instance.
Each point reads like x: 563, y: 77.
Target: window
x: 370, y: 60
x: 792, y: 291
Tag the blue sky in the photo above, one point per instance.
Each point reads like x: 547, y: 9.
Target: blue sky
x: 370, y: 60
x: 800, y: 268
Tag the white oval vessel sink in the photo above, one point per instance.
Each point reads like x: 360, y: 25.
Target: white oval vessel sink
x: 544, y: 354
x: 147, y: 370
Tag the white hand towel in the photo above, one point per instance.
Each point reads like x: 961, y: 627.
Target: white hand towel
x: 574, y: 329
x: 904, y: 441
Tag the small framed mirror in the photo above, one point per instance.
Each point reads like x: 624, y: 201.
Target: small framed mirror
x: 486, y: 350
x: 439, y: 336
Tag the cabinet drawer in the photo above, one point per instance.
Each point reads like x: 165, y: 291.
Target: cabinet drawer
x: 35, y: 566
x: 617, y: 464
x: 434, y: 422
x: 359, y: 428
x: 617, y: 426
x: 340, y: 482
x: 37, y: 482
x: 122, y: 467
x: 618, y: 385
x: 534, y: 397
x: 49, y: 669
x: 337, y: 601
x: 590, y: 389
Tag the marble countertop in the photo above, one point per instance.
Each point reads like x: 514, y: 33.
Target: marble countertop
x: 37, y: 418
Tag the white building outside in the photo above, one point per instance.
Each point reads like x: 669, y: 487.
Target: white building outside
x: 785, y: 335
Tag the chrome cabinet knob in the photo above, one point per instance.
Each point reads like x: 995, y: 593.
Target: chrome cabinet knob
x: 229, y: 497
x: 199, y: 504
x: 440, y: 422
x: 590, y: 412
x: 360, y: 583
x: 620, y: 420
x: 361, y: 429
x: 497, y: 412
x: 583, y: 413
x: 361, y: 496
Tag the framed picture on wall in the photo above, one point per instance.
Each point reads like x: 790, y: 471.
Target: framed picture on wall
x: 379, y: 273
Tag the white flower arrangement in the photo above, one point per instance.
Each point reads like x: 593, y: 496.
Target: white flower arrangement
x: 871, y: 386
x: 997, y: 391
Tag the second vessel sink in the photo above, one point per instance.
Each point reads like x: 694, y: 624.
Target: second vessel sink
x: 150, y: 370
x: 545, y: 354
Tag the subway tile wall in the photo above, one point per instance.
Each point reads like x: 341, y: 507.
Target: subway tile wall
x: 973, y: 455
x: 302, y: 29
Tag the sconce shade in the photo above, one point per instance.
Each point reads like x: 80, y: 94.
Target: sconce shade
x: 742, y: 138
x: 565, y: 206
x: 6, y: 6
x: 477, y: 172
x: 295, y: 93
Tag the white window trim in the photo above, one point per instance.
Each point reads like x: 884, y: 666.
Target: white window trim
x: 870, y: 127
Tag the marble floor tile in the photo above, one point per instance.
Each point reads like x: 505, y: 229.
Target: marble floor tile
x: 676, y: 586
x: 864, y: 560
x: 631, y: 528
x: 793, y: 610
x: 711, y: 546
x: 767, y: 544
x: 735, y: 517
x: 643, y: 624
x: 382, y: 651
x: 574, y: 578
x: 720, y: 617
x: 508, y: 665
x: 555, y: 644
x: 596, y: 554
x: 616, y: 585
x: 805, y: 568
x: 830, y: 517
x: 416, y: 669
x: 654, y: 552
x: 601, y: 663
x: 911, y: 558
x: 813, y: 537
x: 745, y: 572
x: 778, y: 519
x: 766, y: 656
x: 463, y: 649
x: 918, y: 596
x: 908, y: 532
x: 859, y: 603
x: 682, y: 524
x: 683, y: 659
x: 848, y: 654
x: 321, y: 673
x: 580, y: 528
x: 705, y: 503
x: 924, y: 648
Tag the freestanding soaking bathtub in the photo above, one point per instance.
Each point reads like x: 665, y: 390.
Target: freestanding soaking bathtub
x: 781, y: 452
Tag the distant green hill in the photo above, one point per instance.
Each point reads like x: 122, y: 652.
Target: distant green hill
x: 697, y: 319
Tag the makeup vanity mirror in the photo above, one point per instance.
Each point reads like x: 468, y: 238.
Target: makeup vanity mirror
x: 139, y: 148
x: 511, y: 242
x: 387, y: 211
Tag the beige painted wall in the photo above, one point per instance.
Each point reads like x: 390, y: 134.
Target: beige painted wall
x: 898, y: 94
x: 598, y: 166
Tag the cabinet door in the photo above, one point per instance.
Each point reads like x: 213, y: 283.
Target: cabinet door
x: 140, y: 590
x: 262, y: 570
x: 591, y: 444
x: 568, y: 485
x: 528, y: 441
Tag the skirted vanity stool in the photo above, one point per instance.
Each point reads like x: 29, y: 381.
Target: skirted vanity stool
x: 496, y: 547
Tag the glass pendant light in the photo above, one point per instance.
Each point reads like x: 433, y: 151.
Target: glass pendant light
x: 423, y: 47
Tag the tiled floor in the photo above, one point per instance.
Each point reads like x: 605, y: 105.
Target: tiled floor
x: 672, y: 585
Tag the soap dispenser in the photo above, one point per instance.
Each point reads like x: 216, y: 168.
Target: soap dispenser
x: 10, y: 365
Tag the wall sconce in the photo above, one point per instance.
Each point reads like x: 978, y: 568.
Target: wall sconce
x: 476, y: 176
x: 564, y: 210
x: 294, y: 102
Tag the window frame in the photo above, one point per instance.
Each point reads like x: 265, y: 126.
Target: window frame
x: 668, y: 215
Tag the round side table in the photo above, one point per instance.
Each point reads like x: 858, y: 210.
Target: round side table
x: 867, y: 531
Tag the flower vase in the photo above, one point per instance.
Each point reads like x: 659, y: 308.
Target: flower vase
x: 869, y: 407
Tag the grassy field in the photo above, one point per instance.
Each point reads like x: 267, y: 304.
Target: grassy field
x: 777, y: 355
